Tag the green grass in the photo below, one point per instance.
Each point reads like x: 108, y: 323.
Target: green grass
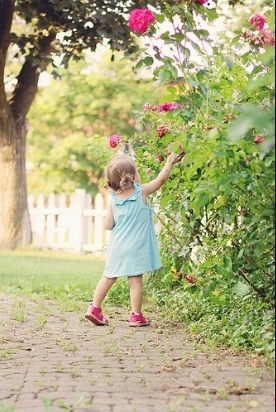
x: 49, y: 275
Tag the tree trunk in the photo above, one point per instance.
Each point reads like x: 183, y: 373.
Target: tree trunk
x: 14, y: 216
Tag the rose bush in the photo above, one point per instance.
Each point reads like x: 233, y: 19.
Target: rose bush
x: 217, y: 208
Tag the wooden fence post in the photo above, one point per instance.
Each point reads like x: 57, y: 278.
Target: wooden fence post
x: 51, y: 219
x: 98, y: 227
x: 77, y: 232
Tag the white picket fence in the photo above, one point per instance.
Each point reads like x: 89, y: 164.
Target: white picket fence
x: 75, y: 225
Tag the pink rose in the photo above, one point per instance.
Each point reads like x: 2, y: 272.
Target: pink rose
x: 114, y: 140
x: 267, y: 37
x: 161, y: 130
x: 140, y: 19
x: 258, y: 139
x: 257, y: 21
x: 166, y: 107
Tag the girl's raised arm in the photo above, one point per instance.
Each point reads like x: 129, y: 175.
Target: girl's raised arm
x: 155, y: 184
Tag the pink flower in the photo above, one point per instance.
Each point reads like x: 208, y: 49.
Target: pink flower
x: 150, y: 107
x: 257, y: 21
x: 147, y: 106
x: 166, y: 107
x: 140, y: 19
x: 258, y: 139
x: 161, y: 130
x: 267, y: 37
x: 190, y: 279
x: 202, y: 1
x: 114, y: 140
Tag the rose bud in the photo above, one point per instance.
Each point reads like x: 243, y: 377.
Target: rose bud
x: 190, y: 279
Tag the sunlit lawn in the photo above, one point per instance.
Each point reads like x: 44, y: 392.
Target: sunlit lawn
x: 49, y: 275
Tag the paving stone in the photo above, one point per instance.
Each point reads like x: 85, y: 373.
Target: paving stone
x: 70, y: 364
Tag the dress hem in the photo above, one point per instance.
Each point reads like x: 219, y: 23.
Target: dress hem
x: 132, y: 274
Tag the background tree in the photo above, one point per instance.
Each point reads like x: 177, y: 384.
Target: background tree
x: 51, y: 28
x: 94, y: 98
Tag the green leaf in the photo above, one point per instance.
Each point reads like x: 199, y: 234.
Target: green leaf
x: 228, y: 62
x: 148, y: 61
x: 203, y: 199
x: 240, y: 289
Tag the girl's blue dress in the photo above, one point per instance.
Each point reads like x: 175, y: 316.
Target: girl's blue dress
x: 132, y: 247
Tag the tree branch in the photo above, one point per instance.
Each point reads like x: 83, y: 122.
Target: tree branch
x: 26, y: 88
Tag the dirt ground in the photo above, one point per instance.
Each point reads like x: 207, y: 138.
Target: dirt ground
x: 56, y: 361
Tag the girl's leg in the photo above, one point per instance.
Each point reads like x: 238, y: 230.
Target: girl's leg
x: 136, y: 292
x: 101, y: 290
x: 94, y: 311
x: 136, y: 298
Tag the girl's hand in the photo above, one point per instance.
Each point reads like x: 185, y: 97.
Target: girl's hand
x: 173, y: 158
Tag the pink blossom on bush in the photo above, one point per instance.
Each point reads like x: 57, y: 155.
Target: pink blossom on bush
x: 202, y: 1
x: 161, y: 130
x: 267, y: 37
x: 140, y: 19
x: 257, y: 21
x: 114, y: 140
x: 147, y: 106
x: 258, y: 139
x: 166, y: 107
x: 150, y: 107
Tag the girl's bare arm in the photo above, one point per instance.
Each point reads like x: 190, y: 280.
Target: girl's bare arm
x: 155, y: 184
x: 109, y: 218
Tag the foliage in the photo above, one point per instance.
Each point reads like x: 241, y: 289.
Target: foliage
x: 82, y: 27
x: 92, y: 98
x: 217, y: 209
x: 41, y: 35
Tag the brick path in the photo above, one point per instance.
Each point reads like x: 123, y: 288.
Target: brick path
x: 53, y: 361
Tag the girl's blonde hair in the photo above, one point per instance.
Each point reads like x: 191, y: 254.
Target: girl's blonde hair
x: 120, y: 173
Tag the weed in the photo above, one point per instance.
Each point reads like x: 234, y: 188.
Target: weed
x: 193, y: 409
x: 19, y: 317
x: 206, y: 375
x: 5, y: 354
x: 141, y: 368
x: 195, y: 380
x: 75, y: 373
x: 59, y: 368
x: 222, y: 393
x: 80, y: 402
x: 7, y: 407
x: 42, y: 320
x: 69, y: 347
x: 206, y: 396
x: 173, y: 406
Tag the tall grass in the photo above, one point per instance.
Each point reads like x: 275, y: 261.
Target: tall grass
x: 49, y: 275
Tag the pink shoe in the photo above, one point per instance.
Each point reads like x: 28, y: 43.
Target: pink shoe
x: 138, y: 320
x: 95, y: 315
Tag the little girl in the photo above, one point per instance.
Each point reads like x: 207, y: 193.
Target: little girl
x: 132, y: 247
